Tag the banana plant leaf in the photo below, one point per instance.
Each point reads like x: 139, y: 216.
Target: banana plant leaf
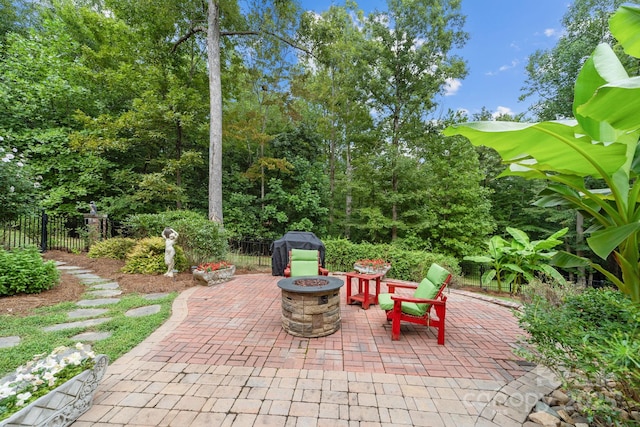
x: 547, y: 146
x: 624, y: 25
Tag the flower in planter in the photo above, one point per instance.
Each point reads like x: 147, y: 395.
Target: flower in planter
x: 214, y: 266
x: 41, y: 375
x: 372, y: 266
x: 373, y: 263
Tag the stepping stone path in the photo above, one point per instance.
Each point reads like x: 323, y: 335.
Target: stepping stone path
x: 96, y: 287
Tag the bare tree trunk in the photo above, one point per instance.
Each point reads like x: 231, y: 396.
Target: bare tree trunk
x: 332, y: 149
x: 215, y: 99
x: 178, y: 156
x: 349, y: 198
x: 394, y: 174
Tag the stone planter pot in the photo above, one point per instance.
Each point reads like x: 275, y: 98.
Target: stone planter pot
x: 366, y: 269
x: 215, y: 277
x: 63, y: 405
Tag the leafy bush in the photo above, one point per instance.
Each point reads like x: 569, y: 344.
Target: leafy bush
x: 147, y: 257
x: 115, y: 248
x: 592, y: 341
x: 341, y: 254
x: 520, y: 260
x: 24, y: 270
x: 201, y: 239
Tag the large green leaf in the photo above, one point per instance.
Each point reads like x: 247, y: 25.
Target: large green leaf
x: 553, y: 146
x: 513, y: 267
x: 604, y: 241
x: 601, y: 68
x: 487, y: 277
x: 616, y: 103
x: 568, y: 260
x: 519, y: 236
x: 551, y: 272
x: 625, y: 27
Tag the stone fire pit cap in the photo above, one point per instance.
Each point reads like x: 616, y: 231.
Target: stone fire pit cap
x: 289, y: 284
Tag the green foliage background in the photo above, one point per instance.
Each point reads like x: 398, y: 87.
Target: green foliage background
x: 409, y: 265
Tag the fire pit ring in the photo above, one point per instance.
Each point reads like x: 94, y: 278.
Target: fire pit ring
x: 311, y: 305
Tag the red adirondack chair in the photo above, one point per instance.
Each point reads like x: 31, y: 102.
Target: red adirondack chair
x: 417, y: 308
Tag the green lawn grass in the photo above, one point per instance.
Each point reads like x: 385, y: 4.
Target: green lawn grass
x: 127, y: 332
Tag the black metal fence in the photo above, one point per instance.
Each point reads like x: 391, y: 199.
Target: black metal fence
x: 72, y: 233
x: 251, y: 252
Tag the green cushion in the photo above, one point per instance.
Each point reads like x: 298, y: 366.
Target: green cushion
x: 386, y: 303
x: 437, y: 275
x: 426, y: 290
x: 304, y: 268
x: 304, y: 255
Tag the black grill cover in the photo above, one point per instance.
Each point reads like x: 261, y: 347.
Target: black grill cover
x: 292, y: 240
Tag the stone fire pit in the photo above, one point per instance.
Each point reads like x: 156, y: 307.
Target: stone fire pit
x: 311, y: 305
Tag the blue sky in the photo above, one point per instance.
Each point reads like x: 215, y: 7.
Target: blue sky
x: 502, y: 34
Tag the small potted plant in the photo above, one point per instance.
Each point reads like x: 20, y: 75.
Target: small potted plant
x: 372, y: 266
x: 52, y: 389
x: 214, y: 272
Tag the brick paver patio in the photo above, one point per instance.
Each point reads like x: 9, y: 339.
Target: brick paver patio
x: 238, y: 324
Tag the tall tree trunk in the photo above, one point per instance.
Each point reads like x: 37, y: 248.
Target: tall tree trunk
x: 215, y: 99
x: 348, y: 178
x: 332, y: 149
x: 394, y: 174
x: 178, y: 156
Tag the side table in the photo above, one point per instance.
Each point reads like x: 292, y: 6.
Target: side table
x: 363, y: 294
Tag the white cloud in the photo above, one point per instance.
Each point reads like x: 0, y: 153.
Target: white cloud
x: 502, y: 111
x: 514, y: 63
x: 452, y: 86
x: 550, y: 32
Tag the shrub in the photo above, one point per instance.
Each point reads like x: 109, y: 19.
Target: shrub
x: 341, y: 254
x: 201, y: 239
x: 24, y: 270
x: 591, y: 340
x: 115, y: 248
x: 147, y: 257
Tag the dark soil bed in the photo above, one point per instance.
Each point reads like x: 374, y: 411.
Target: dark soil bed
x: 70, y: 288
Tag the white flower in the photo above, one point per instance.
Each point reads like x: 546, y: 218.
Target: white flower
x: 6, y: 390
x: 14, y: 149
x: 24, y: 377
x: 6, y: 159
x: 20, y: 164
x: 12, y: 189
x: 50, y: 378
x: 50, y: 363
x: 22, y: 397
x: 74, y: 359
x: 79, y: 346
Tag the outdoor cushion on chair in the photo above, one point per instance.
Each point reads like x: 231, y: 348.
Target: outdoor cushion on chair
x: 425, y: 290
x: 304, y: 262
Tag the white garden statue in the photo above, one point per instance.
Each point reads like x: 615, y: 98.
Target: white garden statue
x: 170, y: 236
